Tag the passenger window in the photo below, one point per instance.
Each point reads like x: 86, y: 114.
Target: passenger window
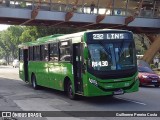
x: 53, y: 52
x: 30, y: 53
x: 36, y: 53
x: 44, y: 52
x: 20, y: 54
x: 65, y: 51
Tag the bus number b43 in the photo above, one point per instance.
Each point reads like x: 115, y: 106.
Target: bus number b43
x: 100, y: 63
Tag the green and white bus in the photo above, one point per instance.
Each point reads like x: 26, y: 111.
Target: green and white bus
x: 89, y: 63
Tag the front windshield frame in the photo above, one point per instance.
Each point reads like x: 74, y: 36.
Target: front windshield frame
x: 116, y: 48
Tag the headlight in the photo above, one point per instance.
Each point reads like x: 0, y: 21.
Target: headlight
x: 93, y: 81
x: 144, y: 76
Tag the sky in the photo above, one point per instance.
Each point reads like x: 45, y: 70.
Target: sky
x: 3, y: 27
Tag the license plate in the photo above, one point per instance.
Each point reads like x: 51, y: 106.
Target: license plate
x: 118, y: 92
x: 154, y: 80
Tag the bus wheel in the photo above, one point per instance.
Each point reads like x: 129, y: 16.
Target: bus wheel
x: 34, y: 82
x: 70, y: 92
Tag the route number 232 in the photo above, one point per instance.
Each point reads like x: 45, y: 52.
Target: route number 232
x: 98, y: 36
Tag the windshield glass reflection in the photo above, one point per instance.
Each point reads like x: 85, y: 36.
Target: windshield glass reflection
x: 112, y: 56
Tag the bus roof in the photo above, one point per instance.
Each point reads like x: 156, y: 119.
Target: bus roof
x: 51, y: 38
x: 39, y: 40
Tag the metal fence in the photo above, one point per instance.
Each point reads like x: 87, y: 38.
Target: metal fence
x: 149, y: 8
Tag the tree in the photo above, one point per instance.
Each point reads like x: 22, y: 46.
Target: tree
x: 29, y: 34
x: 5, y: 44
x: 15, y: 35
x: 44, y: 31
x: 9, y: 40
x: 32, y: 33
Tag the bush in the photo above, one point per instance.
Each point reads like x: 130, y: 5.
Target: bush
x: 152, y: 66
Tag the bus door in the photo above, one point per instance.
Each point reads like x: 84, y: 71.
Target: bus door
x: 25, y: 59
x: 77, y: 67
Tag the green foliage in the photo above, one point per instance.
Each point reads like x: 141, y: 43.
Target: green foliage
x: 9, y: 41
x: 15, y: 35
x: 139, y: 44
x: 152, y: 66
x: 29, y: 34
x: 5, y: 43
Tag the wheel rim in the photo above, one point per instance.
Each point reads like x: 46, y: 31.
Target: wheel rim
x: 34, y: 83
x: 70, y: 92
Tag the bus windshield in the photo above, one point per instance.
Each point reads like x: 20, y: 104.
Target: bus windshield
x: 111, y: 56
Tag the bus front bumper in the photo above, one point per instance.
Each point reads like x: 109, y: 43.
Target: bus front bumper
x: 93, y: 90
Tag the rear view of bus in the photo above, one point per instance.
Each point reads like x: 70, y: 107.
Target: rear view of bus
x: 110, y: 61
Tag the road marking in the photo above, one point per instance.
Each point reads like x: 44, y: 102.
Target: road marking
x: 131, y: 101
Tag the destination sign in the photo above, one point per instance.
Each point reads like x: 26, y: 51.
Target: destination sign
x: 110, y: 36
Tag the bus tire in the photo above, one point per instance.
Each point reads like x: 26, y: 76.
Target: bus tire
x: 34, y: 82
x: 70, y: 92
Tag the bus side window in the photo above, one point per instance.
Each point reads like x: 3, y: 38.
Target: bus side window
x: 30, y: 53
x: 65, y: 54
x: 53, y: 52
x: 65, y: 51
x: 20, y: 54
x: 44, y: 52
x: 36, y: 53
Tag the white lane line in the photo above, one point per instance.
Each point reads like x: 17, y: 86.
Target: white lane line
x: 131, y: 101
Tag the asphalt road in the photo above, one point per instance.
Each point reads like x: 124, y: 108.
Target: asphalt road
x: 16, y: 95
